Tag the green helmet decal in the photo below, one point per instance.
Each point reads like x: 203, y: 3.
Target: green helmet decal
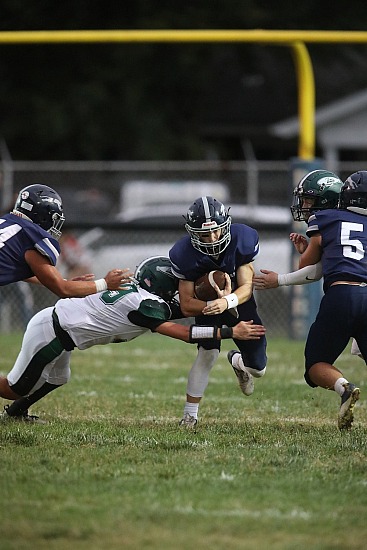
x: 322, y: 186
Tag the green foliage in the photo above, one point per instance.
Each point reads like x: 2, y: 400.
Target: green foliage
x: 160, y: 101
x: 111, y: 469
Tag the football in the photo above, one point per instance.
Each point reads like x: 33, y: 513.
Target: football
x: 204, y: 285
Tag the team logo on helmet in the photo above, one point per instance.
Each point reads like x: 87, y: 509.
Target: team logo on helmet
x: 325, y: 183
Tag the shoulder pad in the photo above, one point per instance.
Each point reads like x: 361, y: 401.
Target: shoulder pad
x: 155, y: 309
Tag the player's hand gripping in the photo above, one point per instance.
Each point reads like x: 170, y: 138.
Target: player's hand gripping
x: 117, y: 278
x: 215, y: 307
x: 246, y: 330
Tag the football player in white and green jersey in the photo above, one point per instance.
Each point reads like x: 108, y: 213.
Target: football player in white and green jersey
x: 147, y: 303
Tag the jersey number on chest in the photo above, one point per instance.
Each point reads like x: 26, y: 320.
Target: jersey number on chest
x: 7, y: 233
x: 352, y: 248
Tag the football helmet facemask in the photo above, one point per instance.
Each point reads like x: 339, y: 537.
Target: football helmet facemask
x: 354, y: 193
x: 322, y: 186
x: 155, y: 275
x: 41, y: 205
x: 204, y: 216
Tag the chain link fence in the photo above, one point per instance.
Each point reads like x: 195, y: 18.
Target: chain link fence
x: 119, y: 213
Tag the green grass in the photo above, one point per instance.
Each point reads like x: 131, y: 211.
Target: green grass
x: 111, y: 469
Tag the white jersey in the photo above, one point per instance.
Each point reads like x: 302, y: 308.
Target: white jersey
x: 103, y: 318
x: 97, y: 319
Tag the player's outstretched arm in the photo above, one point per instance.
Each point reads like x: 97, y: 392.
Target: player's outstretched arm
x: 50, y: 277
x: 271, y: 279
x: 267, y: 279
x: 244, y: 330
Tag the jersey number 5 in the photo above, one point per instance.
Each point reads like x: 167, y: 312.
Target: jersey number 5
x: 352, y: 248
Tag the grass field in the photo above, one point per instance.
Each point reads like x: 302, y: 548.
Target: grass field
x: 112, y: 470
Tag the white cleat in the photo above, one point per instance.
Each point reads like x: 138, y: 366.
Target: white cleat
x: 346, y: 412
x: 188, y: 421
x: 245, y: 379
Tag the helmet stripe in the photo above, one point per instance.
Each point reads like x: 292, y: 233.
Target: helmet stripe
x: 206, y: 208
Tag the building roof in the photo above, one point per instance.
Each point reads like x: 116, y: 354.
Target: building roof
x: 341, y: 114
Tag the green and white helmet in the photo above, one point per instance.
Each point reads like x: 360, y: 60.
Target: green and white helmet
x: 322, y: 186
x: 155, y: 275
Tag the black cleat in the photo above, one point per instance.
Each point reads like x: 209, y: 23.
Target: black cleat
x: 24, y: 417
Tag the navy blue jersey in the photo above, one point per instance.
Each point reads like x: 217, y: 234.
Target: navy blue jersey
x: 190, y: 264
x: 18, y: 235
x: 344, y: 244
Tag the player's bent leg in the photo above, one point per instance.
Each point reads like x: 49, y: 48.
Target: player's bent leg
x: 248, y: 364
x: 326, y: 376
x: 244, y: 378
x: 18, y: 410
x: 5, y: 390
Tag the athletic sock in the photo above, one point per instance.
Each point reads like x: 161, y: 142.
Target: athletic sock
x: 339, y: 386
x: 192, y: 409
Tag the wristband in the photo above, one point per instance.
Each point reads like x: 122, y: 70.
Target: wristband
x: 232, y: 300
x: 226, y: 332
x: 282, y: 279
x: 101, y: 285
x: 199, y: 332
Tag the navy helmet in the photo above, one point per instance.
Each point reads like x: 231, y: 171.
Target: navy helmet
x: 204, y: 216
x: 353, y: 195
x: 41, y: 205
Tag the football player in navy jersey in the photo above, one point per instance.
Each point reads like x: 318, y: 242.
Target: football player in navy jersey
x: 317, y: 190
x: 338, y: 240
x: 214, y: 243
x: 29, y: 246
x: 146, y: 303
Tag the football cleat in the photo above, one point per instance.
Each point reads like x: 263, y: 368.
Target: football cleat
x: 188, y: 421
x: 349, y: 399
x: 245, y: 379
x: 24, y: 417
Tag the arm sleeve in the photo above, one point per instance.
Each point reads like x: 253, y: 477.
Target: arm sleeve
x: 306, y: 275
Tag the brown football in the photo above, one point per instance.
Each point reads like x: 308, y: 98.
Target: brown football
x: 204, y: 285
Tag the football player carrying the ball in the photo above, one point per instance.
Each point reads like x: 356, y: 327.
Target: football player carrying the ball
x: 214, y: 243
